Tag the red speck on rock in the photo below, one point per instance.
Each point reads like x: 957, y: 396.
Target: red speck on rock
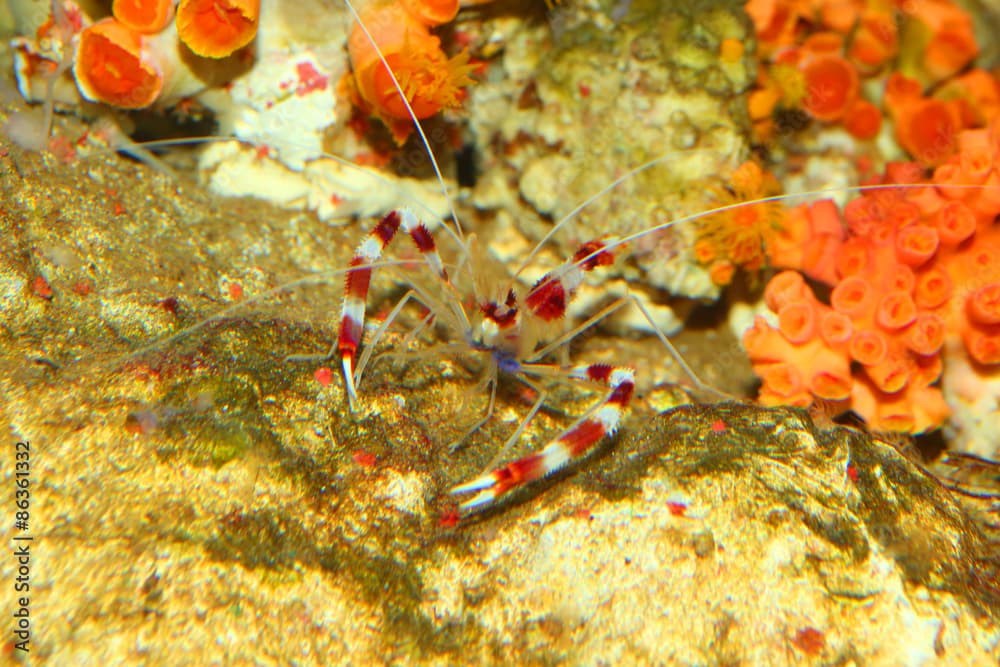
x: 169, y: 304
x: 809, y: 640
x: 40, y: 286
x: 449, y: 519
x: 323, y: 375
x: 364, y: 458
x: 677, y: 509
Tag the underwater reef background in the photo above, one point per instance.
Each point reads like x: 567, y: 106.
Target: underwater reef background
x: 197, y: 499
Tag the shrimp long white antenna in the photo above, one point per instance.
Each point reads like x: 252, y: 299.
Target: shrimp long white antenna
x: 230, y: 310
x: 133, y: 149
x: 456, y: 233
x: 611, y: 244
x: 628, y: 175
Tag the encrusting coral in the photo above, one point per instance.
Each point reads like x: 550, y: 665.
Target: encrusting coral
x: 915, y: 278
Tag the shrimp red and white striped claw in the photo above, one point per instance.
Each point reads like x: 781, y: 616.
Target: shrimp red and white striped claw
x: 352, y: 320
x: 574, y: 443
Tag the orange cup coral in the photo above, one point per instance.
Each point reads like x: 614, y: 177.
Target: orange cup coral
x: 875, y: 41
x: 115, y: 65
x: 428, y: 78
x: 916, y: 282
x: 217, y: 28
x: 831, y: 86
x: 432, y: 12
x: 145, y: 16
x: 928, y: 130
x: 863, y: 120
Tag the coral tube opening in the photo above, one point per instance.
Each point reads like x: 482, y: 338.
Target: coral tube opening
x: 217, y: 28
x: 112, y: 66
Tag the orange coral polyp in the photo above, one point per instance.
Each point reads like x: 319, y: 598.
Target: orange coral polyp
x: 831, y: 386
x: 111, y: 66
x: 428, y: 85
x: 145, y: 16
x: 863, y: 120
x: 722, y: 272
x: 761, y: 103
x: 861, y: 213
x: 784, y: 380
x: 955, y: 222
x: 432, y: 12
x: 797, y: 321
x: 916, y: 244
x: 831, y: 87
x: 950, y: 181
x: 774, y: 21
x: 902, y: 279
x: 926, y: 336
x: 731, y: 50
x: 933, y: 289
x: 890, y: 375
x: 875, y: 42
x: 927, y: 199
x: 982, y: 346
x: 950, y: 49
x: 869, y: 347
x: 976, y: 164
x: 763, y: 344
x: 900, y: 92
x: 903, y: 213
x: 928, y: 131
x: 895, y: 418
x: 852, y: 296
x: 835, y: 328
x: 927, y: 369
x: 823, y: 43
x: 983, y: 305
x: 704, y: 251
x: 839, y: 15
x: 852, y: 259
x: 785, y: 288
x: 895, y: 311
x: 217, y: 28
x: 429, y: 79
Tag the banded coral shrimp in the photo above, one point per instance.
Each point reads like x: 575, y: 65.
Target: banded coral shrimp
x: 340, y: 261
